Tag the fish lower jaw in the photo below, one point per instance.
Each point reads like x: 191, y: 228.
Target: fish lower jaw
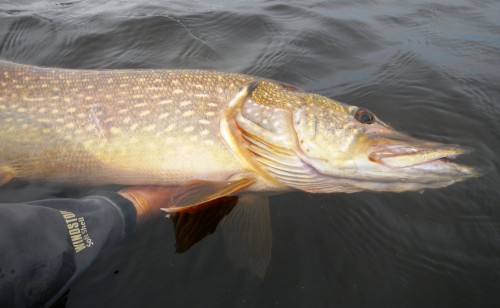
x: 408, y: 159
x: 440, y: 169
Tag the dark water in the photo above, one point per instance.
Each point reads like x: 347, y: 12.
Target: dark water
x: 428, y: 68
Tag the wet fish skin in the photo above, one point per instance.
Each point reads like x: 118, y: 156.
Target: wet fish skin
x: 115, y: 126
x: 211, y: 134
x: 169, y: 127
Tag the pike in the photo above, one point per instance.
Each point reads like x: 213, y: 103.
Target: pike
x: 210, y: 133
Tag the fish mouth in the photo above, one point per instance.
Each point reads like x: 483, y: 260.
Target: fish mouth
x: 402, y: 156
x: 408, y: 153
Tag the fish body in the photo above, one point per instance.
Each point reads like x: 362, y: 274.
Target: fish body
x: 216, y: 136
x: 169, y: 127
x: 116, y: 126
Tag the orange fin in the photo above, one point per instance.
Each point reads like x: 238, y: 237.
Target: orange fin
x: 191, y: 228
x: 246, y: 228
x: 198, y: 194
x: 248, y: 235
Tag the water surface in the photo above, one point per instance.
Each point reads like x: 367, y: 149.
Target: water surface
x: 430, y: 68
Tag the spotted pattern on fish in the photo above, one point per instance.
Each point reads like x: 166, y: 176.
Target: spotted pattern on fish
x: 103, y: 113
x: 136, y: 127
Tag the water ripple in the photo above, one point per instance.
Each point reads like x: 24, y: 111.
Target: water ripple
x: 430, y: 69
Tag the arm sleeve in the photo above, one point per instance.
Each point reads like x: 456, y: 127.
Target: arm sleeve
x: 45, y: 245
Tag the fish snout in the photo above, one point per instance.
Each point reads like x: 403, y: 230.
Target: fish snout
x: 404, y: 151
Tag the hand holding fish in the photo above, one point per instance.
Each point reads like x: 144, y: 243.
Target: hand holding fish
x: 148, y: 200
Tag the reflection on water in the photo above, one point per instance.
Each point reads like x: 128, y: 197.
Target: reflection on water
x: 430, y: 69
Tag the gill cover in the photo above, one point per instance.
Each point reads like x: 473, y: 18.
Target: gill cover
x: 274, y: 128
x: 325, y: 131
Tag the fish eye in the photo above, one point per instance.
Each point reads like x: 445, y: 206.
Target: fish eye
x: 364, y: 116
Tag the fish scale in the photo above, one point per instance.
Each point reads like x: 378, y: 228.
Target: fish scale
x: 155, y: 126
x: 211, y: 134
x: 119, y: 126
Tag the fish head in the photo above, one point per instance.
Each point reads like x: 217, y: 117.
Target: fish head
x: 354, y: 148
x: 317, y: 144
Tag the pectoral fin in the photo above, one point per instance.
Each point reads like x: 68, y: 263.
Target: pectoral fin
x: 199, y: 194
x: 200, y: 205
x: 191, y: 228
x: 246, y: 227
x: 248, y: 235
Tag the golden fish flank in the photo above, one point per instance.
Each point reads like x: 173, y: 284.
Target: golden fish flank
x: 171, y: 126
